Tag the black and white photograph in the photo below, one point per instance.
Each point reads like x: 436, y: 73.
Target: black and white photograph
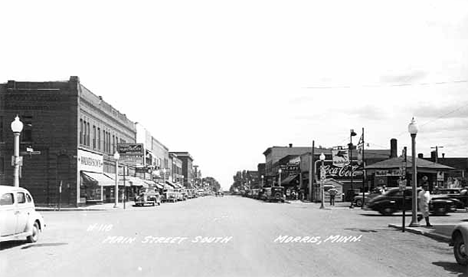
x: 234, y: 138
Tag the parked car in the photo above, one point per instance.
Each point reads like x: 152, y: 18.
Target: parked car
x: 169, y: 195
x: 367, y: 196
x: 459, y: 241
x: 18, y: 216
x: 456, y: 193
x: 392, y: 201
x: 271, y: 194
x: 148, y: 196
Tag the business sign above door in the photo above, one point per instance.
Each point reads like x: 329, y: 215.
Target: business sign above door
x: 88, y: 161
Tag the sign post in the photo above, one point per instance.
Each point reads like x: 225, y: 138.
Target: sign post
x: 402, y: 184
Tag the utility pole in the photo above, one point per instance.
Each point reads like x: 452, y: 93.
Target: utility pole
x: 436, y: 152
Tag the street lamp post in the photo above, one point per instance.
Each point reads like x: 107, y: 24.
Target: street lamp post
x: 413, y: 130
x: 279, y: 177
x: 322, y: 180
x: 262, y: 180
x: 16, y: 127
x: 116, y: 158
x: 164, y: 175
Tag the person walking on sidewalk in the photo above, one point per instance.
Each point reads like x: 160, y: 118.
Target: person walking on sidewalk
x: 333, y: 191
x: 424, y: 198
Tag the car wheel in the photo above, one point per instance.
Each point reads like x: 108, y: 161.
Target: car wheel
x: 35, y: 233
x: 358, y: 203
x: 387, y: 211
x: 459, y: 250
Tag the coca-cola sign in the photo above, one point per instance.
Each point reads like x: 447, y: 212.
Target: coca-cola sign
x: 344, y: 172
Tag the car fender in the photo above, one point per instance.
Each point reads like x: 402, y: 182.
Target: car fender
x: 461, y: 229
x: 33, y: 217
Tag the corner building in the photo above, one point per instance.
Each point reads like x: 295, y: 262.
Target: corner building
x: 73, y: 134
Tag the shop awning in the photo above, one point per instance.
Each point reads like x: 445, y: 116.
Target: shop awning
x: 289, y: 180
x: 99, y: 178
x: 171, y: 184
x: 135, y: 181
x: 153, y: 184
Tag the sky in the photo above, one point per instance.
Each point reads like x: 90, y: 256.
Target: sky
x: 225, y: 80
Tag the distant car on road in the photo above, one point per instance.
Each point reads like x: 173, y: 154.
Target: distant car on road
x: 276, y: 194
x: 459, y: 241
x: 392, y: 201
x: 18, y: 216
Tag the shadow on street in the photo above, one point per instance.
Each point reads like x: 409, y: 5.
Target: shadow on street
x: 43, y: 244
x: 453, y: 268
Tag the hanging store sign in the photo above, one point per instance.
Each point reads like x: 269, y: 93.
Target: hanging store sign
x: 340, y: 157
x: 131, y: 149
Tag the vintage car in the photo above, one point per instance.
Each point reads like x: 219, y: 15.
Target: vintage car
x: 459, y: 241
x: 367, y: 196
x: 276, y: 194
x: 456, y: 193
x: 148, y: 196
x: 392, y: 201
x: 18, y: 216
x: 169, y: 195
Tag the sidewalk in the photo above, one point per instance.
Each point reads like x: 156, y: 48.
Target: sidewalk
x: 98, y: 207
x: 440, y: 232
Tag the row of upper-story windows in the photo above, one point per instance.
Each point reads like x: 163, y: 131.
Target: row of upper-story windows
x: 97, y: 139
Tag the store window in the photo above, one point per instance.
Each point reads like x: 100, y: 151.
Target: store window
x: 2, y: 165
x: 99, y: 138
x: 88, y: 142
x: 94, y: 137
x: 84, y: 132
x: 1, y: 128
x: 26, y: 134
x: 81, y: 131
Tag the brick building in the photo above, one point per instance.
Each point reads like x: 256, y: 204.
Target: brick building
x: 73, y: 134
x: 187, y: 168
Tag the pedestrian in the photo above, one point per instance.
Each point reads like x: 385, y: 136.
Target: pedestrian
x: 424, y: 197
x: 332, y: 193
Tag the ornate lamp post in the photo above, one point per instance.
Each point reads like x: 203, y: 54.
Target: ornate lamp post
x: 16, y: 127
x: 322, y: 180
x: 413, y: 130
x: 116, y: 158
x: 279, y: 177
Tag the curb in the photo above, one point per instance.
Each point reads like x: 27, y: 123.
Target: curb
x: 69, y: 210
x: 430, y: 234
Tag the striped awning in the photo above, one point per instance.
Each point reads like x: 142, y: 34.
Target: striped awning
x: 98, y: 178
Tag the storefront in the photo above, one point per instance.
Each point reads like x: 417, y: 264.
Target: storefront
x: 387, y: 173
x: 92, y: 178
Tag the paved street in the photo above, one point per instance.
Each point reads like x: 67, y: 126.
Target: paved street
x: 229, y: 236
